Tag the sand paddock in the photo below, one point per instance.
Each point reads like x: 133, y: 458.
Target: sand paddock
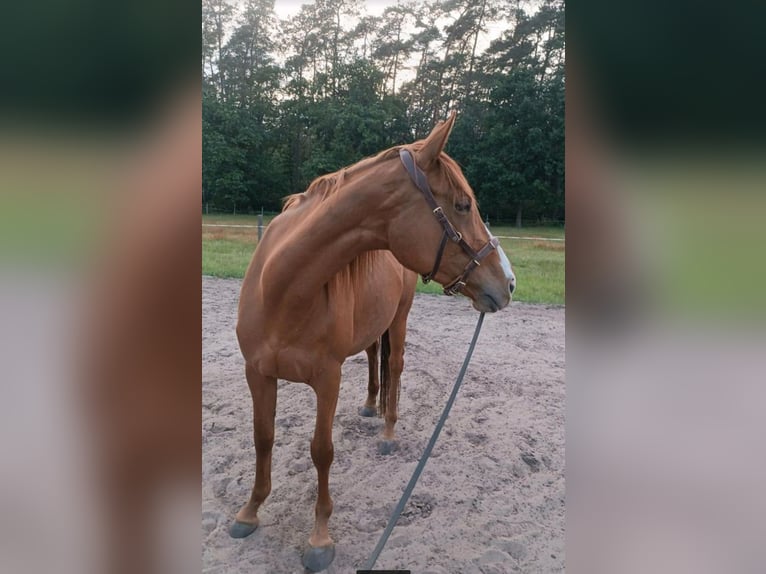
x: 491, y: 498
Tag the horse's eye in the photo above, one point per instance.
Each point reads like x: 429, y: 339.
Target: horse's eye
x: 463, y: 207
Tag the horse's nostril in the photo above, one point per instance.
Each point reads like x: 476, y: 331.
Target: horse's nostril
x: 512, y: 285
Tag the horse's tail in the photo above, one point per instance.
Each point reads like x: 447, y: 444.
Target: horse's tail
x: 385, y: 373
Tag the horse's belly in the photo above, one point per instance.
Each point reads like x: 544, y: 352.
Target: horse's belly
x: 341, y: 326
x: 376, y: 302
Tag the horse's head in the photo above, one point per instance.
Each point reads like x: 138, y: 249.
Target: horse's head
x: 438, y: 231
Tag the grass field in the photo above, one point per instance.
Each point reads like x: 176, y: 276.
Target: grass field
x: 538, y: 264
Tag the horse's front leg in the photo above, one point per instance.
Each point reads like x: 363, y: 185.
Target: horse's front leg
x: 321, y: 549
x: 264, y: 392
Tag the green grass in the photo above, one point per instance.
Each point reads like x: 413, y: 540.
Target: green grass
x: 538, y: 265
x: 226, y: 258
x: 539, y: 269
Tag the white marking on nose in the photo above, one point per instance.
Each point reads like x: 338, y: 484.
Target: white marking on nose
x: 506, y: 264
x: 504, y: 261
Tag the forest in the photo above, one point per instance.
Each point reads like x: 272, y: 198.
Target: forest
x: 287, y: 100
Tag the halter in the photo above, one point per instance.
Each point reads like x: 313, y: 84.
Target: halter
x: 420, y: 180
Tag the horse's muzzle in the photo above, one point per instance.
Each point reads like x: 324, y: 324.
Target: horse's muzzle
x: 486, y: 302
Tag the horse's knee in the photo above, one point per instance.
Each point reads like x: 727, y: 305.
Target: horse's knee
x: 264, y: 441
x: 322, y: 453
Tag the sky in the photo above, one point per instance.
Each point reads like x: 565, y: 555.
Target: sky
x: 285, y: 8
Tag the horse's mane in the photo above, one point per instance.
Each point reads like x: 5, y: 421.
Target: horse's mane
x: 327, y: 185
x: 353, y: 274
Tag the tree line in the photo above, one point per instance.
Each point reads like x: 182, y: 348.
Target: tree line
x: 285, y: 101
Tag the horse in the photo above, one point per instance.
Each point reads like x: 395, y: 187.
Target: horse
x: 335, y: 274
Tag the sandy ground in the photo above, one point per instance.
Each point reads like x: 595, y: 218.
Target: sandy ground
x: 491, y: 498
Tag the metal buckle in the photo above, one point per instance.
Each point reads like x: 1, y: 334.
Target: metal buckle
x: 439, y: 208
x: 426, y: 279
x: 452, y: 289
x: 459, y: 236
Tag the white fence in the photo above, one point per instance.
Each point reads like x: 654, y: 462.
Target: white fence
x: 498, y: 236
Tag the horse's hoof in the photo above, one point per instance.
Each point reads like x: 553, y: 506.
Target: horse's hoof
x: 386, y: 447
x: 366, y: 411
x: 241, y: 529
x: 317, y: 559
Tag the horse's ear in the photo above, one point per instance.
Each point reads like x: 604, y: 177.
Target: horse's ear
x: 436, y: 140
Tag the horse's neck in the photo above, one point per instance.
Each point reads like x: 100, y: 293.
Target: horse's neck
x: 324, y: 240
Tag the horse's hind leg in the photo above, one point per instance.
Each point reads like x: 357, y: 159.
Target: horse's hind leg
x: 395, y: 366
x: 395, y: 363
x: 322, y: 550
x: 264, y: 393
x: 396, y: 335
x: 369, y: 409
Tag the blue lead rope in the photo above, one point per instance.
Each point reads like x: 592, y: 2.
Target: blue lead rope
x: 426, y: 453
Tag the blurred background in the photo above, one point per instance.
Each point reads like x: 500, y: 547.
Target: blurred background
x: 665, y: 282
x: 100, y: 131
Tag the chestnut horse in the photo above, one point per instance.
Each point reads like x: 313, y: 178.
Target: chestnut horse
x: 335, y: 273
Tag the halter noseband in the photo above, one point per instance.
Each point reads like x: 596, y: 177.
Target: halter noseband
x: 420, y: 180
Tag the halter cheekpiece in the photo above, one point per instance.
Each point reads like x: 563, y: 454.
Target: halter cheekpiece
x: 421, y: 182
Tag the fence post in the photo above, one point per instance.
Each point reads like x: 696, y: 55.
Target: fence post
x: 260, y: 225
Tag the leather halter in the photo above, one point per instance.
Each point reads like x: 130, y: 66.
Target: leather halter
x: 420, y: 180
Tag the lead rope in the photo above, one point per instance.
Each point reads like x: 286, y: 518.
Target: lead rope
x: 426, y: 453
